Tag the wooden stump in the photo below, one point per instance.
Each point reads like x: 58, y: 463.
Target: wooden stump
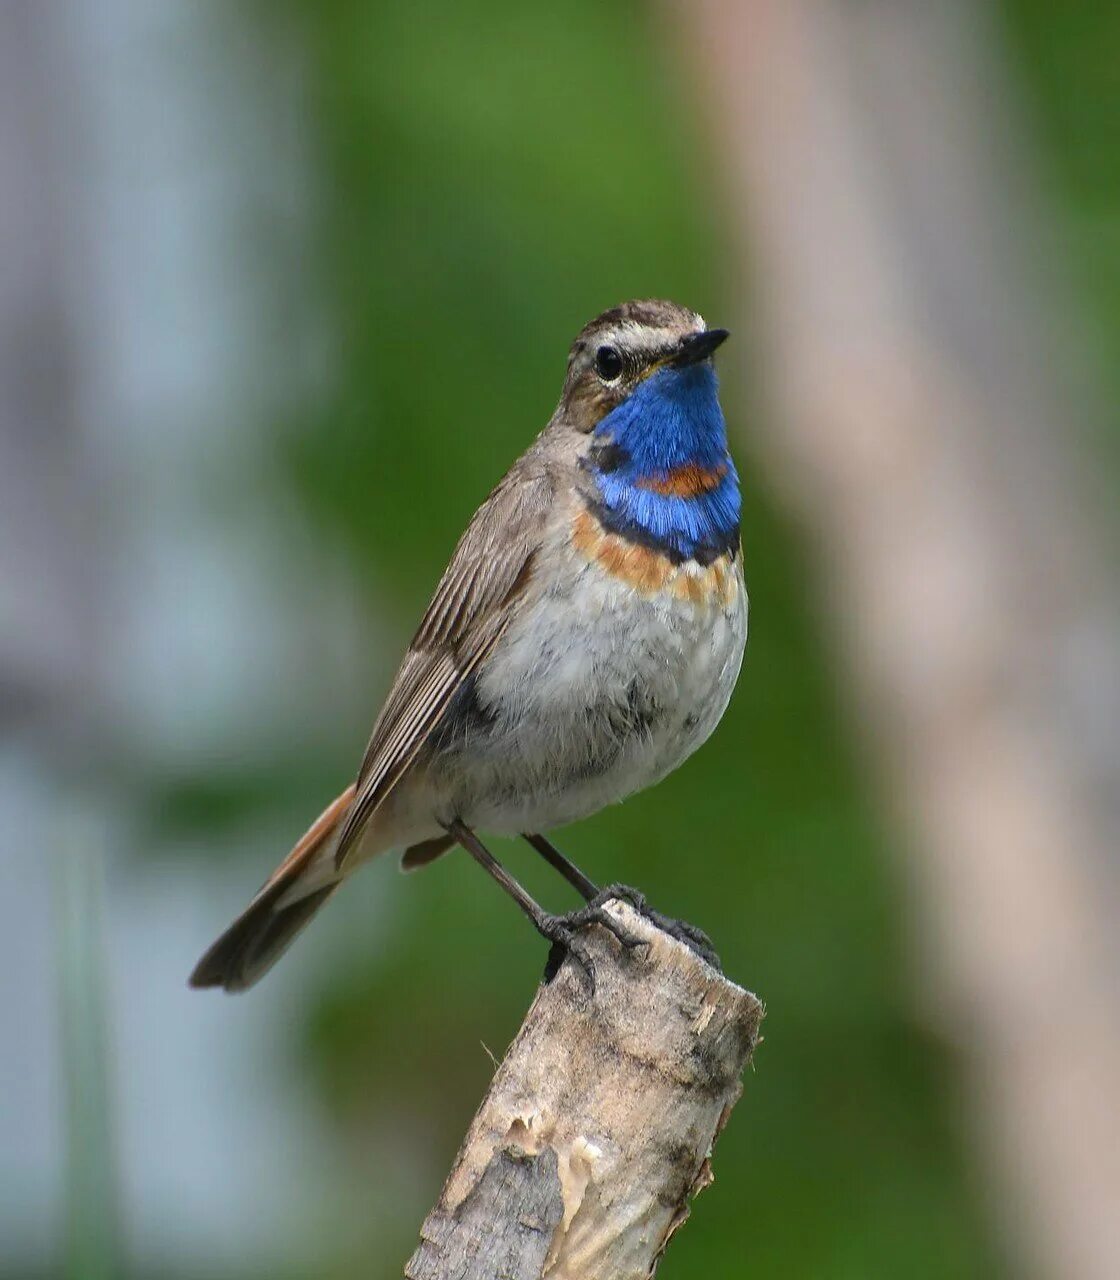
x: 598, y: 1126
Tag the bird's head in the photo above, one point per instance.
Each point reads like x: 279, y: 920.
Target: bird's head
x: 641, y: 394
x: 651, y: 445
x: 654, y: 349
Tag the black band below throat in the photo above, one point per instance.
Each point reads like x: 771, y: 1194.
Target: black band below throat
x: 719, y: 543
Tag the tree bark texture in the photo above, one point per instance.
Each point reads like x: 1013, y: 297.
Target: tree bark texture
x: 598, y: 1127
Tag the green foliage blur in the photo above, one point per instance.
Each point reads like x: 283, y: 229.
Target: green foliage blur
x: 1066, y: 56
x: 489, y: 176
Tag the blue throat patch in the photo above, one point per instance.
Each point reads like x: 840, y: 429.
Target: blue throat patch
x: 663, y: 472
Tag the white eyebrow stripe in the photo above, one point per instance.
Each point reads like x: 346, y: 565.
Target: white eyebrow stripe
x: 647, y: 339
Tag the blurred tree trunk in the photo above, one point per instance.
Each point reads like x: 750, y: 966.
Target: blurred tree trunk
x: 923, y: 426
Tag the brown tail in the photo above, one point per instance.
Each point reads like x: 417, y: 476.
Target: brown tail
x: 268, y: 926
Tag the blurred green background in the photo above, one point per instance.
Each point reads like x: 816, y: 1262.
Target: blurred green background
x: 483, y: 179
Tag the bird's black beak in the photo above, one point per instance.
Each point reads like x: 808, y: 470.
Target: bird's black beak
x: 698, y: 346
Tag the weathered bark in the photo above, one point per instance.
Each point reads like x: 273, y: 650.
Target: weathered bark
x: 598, y: 1126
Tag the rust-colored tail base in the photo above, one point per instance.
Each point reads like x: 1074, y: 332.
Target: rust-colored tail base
x: 269, y: 925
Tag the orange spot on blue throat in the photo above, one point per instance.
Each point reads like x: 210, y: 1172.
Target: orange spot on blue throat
x: 689, y: 480
x: 663, y: 475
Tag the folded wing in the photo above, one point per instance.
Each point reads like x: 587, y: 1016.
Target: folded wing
x: 489, y: 571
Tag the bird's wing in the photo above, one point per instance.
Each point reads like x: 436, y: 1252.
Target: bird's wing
x: 489, y: 570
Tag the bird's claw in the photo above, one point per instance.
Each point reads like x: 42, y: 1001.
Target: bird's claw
x: 564, y: 934
x: 688, y: 934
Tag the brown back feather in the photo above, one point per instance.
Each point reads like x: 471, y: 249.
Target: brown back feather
x: 490, y: 569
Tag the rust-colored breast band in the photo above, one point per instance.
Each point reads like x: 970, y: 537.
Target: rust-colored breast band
x: 649, y: 572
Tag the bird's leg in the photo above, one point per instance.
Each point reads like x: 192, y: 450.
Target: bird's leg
x: 561, y: 931
x: 587, y: 889
x: 692, y: 937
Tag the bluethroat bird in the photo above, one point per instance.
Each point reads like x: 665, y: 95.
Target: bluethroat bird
x: 582, y: 643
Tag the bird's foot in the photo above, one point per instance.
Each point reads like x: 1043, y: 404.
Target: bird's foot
x: 564, y: 934
x: 688, y: 934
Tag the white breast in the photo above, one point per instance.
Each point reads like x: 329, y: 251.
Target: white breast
x: 597, y: 690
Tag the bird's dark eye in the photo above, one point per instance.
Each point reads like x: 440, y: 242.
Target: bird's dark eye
x: 608, y: 363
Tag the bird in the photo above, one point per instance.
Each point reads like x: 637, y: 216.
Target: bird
x: 584, y: 640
